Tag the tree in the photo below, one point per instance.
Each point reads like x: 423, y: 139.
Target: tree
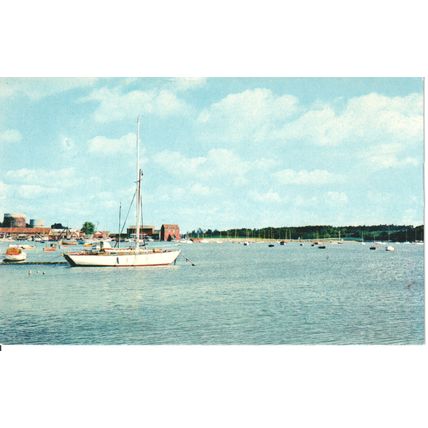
x: 88, y: 228
x: 58, y: 226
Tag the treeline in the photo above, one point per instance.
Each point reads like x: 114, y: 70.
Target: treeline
x: 382, y: 232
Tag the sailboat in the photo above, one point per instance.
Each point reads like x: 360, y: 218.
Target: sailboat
x: 389, y: 247
x: 103, y: 255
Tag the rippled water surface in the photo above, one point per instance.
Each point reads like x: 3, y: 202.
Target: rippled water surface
x: 345, y: 294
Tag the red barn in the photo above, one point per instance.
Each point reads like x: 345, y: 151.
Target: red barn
x: 170, y: 232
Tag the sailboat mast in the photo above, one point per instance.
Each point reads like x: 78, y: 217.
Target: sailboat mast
x: 138, y: 192
x: 118, y: 236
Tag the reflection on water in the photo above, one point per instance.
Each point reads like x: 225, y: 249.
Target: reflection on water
x: 345, y: 294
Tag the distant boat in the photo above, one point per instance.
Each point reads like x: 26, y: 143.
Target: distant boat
x: 282, y: 243
x: 321, y: 247
x: 104, y: 255
x: 14, y: 254
x: 389, y: 247
x: 372, y: 247
x: 49, y: 249
x: 185, y: 241
x: 26, y: 247
x: 246, y: 243
x: 68, y: 242
x: 271, y: 245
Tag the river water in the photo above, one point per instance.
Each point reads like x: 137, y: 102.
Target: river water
x: 292, y: 294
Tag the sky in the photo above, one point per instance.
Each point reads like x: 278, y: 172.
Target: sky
x: 216, y: 152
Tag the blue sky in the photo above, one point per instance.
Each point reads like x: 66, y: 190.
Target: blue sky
x: 216, y: 152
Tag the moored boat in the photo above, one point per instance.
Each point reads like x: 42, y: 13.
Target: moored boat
x: 68, y: 242
x: 14, y: 254
x: 49, y: 249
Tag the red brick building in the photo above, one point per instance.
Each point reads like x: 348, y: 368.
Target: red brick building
x: 170, y: 232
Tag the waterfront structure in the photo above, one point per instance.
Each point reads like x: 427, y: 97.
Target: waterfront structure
x: 26, y: 232
x: 14, y: 220
x: 145, y: 230
x: 170, y: 232
x: 101, y: 234
x: 36, y: 222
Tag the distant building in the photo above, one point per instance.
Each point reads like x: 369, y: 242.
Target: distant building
x: 37, y: 222
x: 14, y: 220
x: 101, y: 234
x: 145, y: 230
x: 170, y: 232
x: 27, y: 231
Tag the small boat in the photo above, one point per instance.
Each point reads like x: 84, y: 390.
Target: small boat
x: 50, y: 248
x: 321, y: 247
x: 246, y: 243
x: 271, y: 245
x: 68, y: 242
x: 26, y: 247
x: 185, y: 241
x: 389, y: 248
x: 372, y: 247
x: 14, y: 254
x: 282, y: 243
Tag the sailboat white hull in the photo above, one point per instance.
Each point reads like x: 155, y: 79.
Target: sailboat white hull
x: 143, y: 258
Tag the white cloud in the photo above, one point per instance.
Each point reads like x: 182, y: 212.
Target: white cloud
x: 258, y: 115
x: 36, y: 88
x: 31, y: 191
x: 108, y: 146
x: 379, y: 197
x: 10, y: 136
x: 364, y: 120
x: 170, y: 193
x: 307, y: 201
x: 252, y: 115
x: 269, y: 196
x: 337, y: 198
x: 304, y: 177
x: 39, y: 178
x: 217, y: 162
x: 188, y: 83
x: 388, y: 156
x: 3, y: 190
x: 115, y: 105
x: 201, y: 190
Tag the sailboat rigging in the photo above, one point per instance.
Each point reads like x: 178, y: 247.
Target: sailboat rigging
x: 104, y: 255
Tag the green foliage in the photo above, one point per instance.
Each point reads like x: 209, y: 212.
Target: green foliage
x: 88, y: 228
x: 382, y: 232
